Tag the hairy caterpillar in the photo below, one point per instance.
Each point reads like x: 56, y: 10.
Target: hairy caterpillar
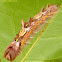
x: 14, y: 49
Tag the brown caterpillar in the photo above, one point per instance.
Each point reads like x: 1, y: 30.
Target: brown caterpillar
x: 14, y: 49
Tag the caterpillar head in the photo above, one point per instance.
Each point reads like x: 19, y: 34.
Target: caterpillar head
x: 12, y: 51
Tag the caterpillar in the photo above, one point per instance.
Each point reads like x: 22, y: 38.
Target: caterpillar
x: 15, y: 48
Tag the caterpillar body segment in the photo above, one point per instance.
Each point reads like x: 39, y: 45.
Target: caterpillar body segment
x: 46, y: 12
x: 15, y: 48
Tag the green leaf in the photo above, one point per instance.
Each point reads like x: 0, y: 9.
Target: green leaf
x: 11, y: 14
